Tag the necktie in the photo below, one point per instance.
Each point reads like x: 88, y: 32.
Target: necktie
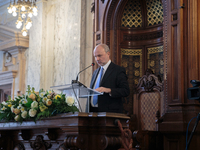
x: 95, y: 98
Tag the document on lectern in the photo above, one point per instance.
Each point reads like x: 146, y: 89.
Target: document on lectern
x: 80, y: 92
x: 80, y: 89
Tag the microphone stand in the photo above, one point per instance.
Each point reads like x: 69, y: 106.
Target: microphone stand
x: 76, y: 81
x: 193, y: 130
x: 79, y: 84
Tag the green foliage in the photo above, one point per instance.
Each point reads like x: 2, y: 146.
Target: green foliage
x: 28, y: 104
x: 7, y: 115
x: 43, y: 114
x: 36, y: 105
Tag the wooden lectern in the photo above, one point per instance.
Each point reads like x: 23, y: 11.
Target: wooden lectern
x: 78, y: 131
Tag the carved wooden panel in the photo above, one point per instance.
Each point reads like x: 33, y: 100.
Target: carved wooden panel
x: 40, y: 144
x: 19, y: 146
x: 181, y: 31
x: 118, y: 37
x: 91, y: 131
x: 148, y: 101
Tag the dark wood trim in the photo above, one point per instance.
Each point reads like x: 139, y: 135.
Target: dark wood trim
x: 91, y: 131
x: 144, y: 13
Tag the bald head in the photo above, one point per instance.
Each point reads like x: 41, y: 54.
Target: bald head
x: 102, y: 54
x: 104, y: 46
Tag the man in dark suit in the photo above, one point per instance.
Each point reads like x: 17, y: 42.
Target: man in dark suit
x: 113, y: 83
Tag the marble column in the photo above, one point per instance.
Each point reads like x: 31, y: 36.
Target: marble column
x: 1, y: 61
x: 60, y: 43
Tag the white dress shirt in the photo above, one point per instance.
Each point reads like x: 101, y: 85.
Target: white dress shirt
x: 105, y: 67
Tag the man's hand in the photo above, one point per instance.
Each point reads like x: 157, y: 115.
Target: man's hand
x: 103, y: 89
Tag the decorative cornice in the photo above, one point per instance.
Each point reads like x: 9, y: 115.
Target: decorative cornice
x: 7, y: 77
x: 12, y: 39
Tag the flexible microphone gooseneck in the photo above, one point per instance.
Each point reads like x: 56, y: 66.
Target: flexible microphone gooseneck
x: 76, y: 81
x: 80, y: 84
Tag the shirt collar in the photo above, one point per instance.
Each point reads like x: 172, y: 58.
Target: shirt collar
x: 106, y: 65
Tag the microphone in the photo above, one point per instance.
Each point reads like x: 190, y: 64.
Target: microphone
x: 76, y: 81
x: 79, y: 84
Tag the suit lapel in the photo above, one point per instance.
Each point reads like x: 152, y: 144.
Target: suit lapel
x: 108, y: 72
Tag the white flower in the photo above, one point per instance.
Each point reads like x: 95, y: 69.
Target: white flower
x: 42, y: 94
x: 44, y: 99
x: 70, y: 100
x: 4, y: 108
x: 34, y: 104
x: 17, y: 118
x: 12, y: 108
x: 24, y: 101
x: 32, y: 112
x: 22, y: 109
x: 24, y: 114
x: 4, y: 103
x: 19, y: 107
x: 48, y: 96
x: 50, y: 91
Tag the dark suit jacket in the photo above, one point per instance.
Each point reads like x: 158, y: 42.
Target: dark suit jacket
x: 114, y: 78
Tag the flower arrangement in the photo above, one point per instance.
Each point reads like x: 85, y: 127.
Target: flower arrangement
x: 36, y: 105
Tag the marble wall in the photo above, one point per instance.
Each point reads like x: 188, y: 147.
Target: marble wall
x: 60, y: 42
x: 1, y: 60
x: 57, y: 43
x: 34, y: 52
